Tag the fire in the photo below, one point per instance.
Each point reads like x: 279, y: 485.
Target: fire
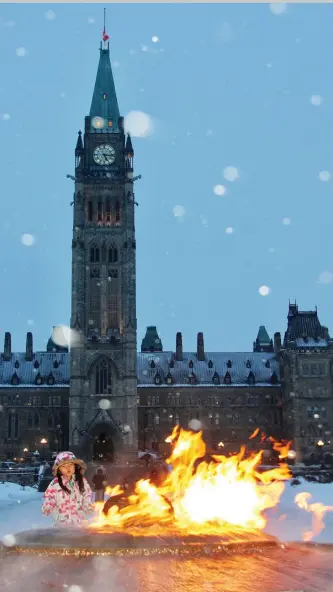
x: 318, y: 511
x: 199, y: 496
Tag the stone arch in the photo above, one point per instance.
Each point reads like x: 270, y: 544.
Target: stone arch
x: 105, y: 437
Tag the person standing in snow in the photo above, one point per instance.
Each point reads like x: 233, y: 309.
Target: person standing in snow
x: 68, y: 497
x: 100, y: 483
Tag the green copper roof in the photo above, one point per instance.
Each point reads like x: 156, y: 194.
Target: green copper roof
x: 151, y: 341
x: 104, y: 102
x: 263, y: 336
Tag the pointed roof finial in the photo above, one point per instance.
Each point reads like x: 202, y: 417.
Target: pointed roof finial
x: 105, y: 35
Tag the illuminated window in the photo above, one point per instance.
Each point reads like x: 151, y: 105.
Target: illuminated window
x: 110, y: 123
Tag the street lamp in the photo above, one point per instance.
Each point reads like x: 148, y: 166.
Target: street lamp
x: 43, y: 442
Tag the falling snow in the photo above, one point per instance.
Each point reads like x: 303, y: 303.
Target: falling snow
x: 316, y: 100
x: 324, y: 176
x: 229, y: 230
x: 179, y: 211
x: 50, y: 15
x: 264, y: 290
x: 326, y: 277
x: 21, y: 52
x: 28, y: 240
x: 278, y: 8
x: 219, y: 190
x: 286, y: 221
x: 230, y: 173
x: 5, y: 117
x: 155, y: 39
x: 138, y: 124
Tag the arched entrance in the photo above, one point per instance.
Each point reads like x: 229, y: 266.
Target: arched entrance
x: 105, y: 441
x: 103, y: 448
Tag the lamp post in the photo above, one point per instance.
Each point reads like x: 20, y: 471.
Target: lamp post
x: 43, y: 442
x: 320, y: 445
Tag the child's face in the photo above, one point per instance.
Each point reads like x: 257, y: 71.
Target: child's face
x: 68, y: 470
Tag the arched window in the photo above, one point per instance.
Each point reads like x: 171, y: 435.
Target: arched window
x: 94, y: 298
x: 30, y: 421
x: 113, y: 254
x: 107, y: 210
x: 50, y: 421
x: 117, y: 212
x: 16, y: 425
x: 94, y: 253
x: 217, y: 419
x: 113, y: 299
x: 157, y: 419
x: 103, y: 381
x: 90, y: 211
x: 100, y: 211
x: 176, y: 419
x: 36, y: 421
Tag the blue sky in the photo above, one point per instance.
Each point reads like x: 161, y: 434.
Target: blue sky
x: 224, y: 85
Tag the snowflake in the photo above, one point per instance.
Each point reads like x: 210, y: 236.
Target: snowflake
x: 325, y: 277
x: 5, y: 117
x: 138, y: 124
x: 21, y: 52
x: 27, y: 240
x: 230, y: 173
x: 278, y: 8
x: 324, y: 176
x: 264, y: 290
x: 316, y: 100
x: 219, y: 189
x: 50, y: 15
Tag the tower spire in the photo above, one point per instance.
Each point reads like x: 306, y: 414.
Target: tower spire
x: 104, y: 104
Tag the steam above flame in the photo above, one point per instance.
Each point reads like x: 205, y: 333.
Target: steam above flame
x: 201, y: 496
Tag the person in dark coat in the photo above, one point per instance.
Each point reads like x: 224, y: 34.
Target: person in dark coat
x: 100, y: 483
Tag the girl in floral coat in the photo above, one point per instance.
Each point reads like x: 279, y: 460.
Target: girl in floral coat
x: 68, y: 497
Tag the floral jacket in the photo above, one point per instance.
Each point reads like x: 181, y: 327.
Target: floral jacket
x: 68, y: 509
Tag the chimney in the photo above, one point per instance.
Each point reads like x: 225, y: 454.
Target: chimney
x: 200, y: 348
x: 29, y: 348
x: 277, y: 343
x: 179, y: 347
x: 7, y: 352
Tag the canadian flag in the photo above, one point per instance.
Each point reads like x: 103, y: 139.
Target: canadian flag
x: 105, y: 35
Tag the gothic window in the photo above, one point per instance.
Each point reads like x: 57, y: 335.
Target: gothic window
x: 108, y: 211
x: 50, y: 421
x: 216, y: 378
x: 36, y: 421
x: 217, y: 419
x: 94, y: 298
x: 149, y: 400
x: 229, y: 364
x: 17, y: 364
x: 15, y: 379
x: 30, y: 421
x: 157, y: 419
x: 169, y: 399
x: 50, y: 379
x: 117, y: 212
x: 210, y: 364
x: 267, y: 364
x: 94, y: 253
x: 113, y: 299
x: 99, y: 211
x: 103, y: 382
x: 113, y: 254
x: 16, y: 425
x: 9, y: 431
x: 274, y: 378
x: 90, y: 211
x: 36, y: 364
x: 176, y: 419
x: 38, y: 379
x: 248, y: 364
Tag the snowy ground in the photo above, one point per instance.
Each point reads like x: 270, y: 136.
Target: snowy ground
x: 20, y: 510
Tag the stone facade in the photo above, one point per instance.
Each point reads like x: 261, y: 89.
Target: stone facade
x: 103, y: 397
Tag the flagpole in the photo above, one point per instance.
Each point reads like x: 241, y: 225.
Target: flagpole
x: 104, y: 30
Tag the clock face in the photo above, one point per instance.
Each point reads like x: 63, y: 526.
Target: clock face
x: 104, y: 154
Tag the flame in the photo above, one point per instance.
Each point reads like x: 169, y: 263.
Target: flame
x: 318, y: 511
x: 255, y: 434
x: 200, y: 496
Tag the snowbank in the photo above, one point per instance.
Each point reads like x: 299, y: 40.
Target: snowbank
x: 12, y: 493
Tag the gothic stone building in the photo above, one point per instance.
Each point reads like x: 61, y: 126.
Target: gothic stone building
x: 104, y: 397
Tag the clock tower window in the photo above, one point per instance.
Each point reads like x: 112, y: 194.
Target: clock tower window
x: 100, y: 211
x: 94, y: 254
x: 113, y: 254
x: 90, y: 211
x: 117, y: 212
x: 108, y: 211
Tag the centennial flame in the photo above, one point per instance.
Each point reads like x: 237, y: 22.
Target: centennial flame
x: 211, y: 496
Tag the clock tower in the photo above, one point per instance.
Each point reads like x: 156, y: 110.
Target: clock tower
x: 103, y: 383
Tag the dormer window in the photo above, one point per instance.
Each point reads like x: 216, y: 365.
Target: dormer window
x: 274, y: 378
x: 171, y: 364
x: 157, y: 378
x: 190, y: 364
x: 210, y: 364
x: 36, y: 364
x: 50, y: 379
x: 17, y: 364
x: 251, y: 378
x: 192, y: 379
x: 56, y: 364
x: 229, y: 364
x: 168, y: 378
x: 248, y: 364
x: 15, y: 379
x: 227, y: 378
x: 267, y: 364
x: 216, y: 378
x: 38, y: 379
x: 152, y: 364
